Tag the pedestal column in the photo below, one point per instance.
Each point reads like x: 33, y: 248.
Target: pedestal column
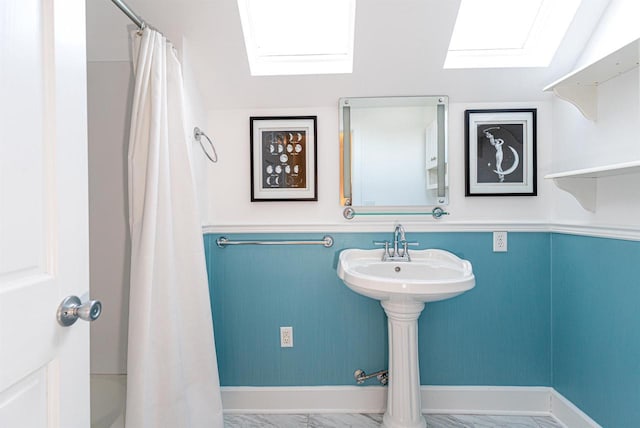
x: 403, y: 399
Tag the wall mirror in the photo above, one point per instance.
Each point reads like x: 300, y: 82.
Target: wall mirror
x: 394, y: 152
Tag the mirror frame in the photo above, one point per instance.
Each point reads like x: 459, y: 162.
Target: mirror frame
x: 346, y: 186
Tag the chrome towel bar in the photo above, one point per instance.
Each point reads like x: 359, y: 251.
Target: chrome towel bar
x: 326, y: 241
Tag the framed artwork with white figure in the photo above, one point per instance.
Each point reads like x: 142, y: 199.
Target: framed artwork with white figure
x: 500, y: 152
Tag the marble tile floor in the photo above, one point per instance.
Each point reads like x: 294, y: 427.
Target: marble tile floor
x: 374, y: 420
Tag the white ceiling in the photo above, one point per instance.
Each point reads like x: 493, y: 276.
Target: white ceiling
x: 400, y: 46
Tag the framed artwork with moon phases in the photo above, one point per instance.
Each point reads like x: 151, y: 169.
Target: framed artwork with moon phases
x: 283, y: 158
x: 500, y: 152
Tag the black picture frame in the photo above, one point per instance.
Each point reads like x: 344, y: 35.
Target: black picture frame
x: 500, y: 152
x: 284, y: 161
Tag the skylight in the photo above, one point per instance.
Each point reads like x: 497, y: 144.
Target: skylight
x: 508, y: 33
x: 284, y: 37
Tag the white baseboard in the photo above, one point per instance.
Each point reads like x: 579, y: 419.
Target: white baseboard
x: 570, y: 415
x: 495, y: 400
x: 300, y: 399
x: 435, y: 399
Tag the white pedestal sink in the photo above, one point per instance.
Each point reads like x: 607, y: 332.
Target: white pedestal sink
x: 403, y: 287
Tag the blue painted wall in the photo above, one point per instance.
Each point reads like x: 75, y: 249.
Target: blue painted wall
x: 556, y: 310
x: 596, y: 326
x: 499, y: 333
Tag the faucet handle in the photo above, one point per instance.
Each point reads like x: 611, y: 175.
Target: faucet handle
x: 406, y: 244
x: 405, y: 248
x: 385, y: 256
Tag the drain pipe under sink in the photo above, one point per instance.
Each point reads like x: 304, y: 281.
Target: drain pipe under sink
x: 361, y: 376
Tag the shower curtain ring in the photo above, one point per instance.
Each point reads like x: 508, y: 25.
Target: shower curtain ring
x: 141, y: 28
x: 198, y: 134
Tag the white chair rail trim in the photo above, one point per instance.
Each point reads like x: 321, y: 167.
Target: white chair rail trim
x: 600, y: 231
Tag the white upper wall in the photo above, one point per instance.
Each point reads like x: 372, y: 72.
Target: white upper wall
x: 400, y: 48
x: 619, y: 26
x: 613, y: 138
x: 228, y: 195
x: 195, y: 116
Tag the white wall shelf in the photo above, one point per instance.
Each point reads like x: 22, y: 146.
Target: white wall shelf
x: 580, y: 86
x: 583, y: 183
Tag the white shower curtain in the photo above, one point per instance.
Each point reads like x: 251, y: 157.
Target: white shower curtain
x: 172, y: 370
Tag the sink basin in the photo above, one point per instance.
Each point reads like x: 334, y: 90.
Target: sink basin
x: 431, y: 275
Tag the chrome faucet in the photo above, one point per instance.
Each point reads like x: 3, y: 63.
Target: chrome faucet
x: 398, y: 233
x: 400, y: 250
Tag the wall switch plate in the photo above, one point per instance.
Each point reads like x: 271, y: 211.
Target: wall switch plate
x: 499, y: 242
x: 286, y: 337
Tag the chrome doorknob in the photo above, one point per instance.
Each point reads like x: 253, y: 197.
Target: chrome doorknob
x: 72, y: 308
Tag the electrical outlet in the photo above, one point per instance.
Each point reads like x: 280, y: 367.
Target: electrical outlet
x: 286, y: 337
x: 499, y: 242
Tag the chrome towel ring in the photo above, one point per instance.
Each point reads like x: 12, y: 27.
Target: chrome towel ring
x: 198, y: 134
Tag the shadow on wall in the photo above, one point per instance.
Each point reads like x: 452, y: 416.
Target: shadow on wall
x: 108, y: 399
x: 110, y: 91
x: 596, y: 342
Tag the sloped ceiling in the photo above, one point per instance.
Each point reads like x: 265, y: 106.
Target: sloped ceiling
x: 400, y: 46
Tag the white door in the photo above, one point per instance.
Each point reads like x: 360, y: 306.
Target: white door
x: 44, y: 368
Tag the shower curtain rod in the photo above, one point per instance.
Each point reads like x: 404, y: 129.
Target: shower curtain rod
x: 131, y: 14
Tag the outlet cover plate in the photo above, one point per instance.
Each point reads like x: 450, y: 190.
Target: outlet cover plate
x: 499, y: 242
x: 286, y: 337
